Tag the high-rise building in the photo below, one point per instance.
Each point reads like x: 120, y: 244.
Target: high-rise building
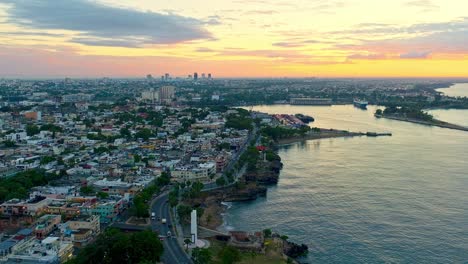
x: 150, y: 95
x: 149, y: 77
x: 195, y: 76
x: 209, y: 75
x: 166, y: 94
x: 166, y: 76
x: 203, y: 75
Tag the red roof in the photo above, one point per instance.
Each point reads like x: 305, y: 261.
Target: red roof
x: 261, y: 148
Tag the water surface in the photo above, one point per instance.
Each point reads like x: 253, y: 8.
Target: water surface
x: 456, y: 90
x: 400, y: 199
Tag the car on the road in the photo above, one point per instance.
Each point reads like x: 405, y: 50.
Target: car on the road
x: 169, y: 234
x: 161, y: 237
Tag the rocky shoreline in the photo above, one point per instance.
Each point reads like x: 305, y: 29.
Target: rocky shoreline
x: 254, y: 183
x: 251, y: 185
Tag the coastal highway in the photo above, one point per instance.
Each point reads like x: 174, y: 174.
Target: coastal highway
x: 173, y: 252
x: 213, y: 186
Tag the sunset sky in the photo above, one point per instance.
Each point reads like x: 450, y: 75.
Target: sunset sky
x: 236, y: 38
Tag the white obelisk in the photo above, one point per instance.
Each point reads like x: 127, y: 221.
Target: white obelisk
x: 193, y: 226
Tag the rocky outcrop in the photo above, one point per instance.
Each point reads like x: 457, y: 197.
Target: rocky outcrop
x: 248, y: 193
x: 266, y: 173
x: 294, y: 250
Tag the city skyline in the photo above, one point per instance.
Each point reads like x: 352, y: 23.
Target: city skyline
x: 361, y: 38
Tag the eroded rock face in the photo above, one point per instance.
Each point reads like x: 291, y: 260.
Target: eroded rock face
x: 250, y: 192
x: 266, y: 173
x: 294, y: 250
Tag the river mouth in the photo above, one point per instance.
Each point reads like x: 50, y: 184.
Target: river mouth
x: 391, y: 199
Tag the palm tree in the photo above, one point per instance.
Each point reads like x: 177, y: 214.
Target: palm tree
x: 187, y: 242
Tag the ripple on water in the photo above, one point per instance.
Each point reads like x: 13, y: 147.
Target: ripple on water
x: 400, y: 199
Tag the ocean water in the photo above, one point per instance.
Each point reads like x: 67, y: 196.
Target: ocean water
x: 399, y: 199
x: 455, y: 116
x: 456, y: 90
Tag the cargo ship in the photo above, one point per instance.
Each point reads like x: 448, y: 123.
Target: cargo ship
x: 360, y: 103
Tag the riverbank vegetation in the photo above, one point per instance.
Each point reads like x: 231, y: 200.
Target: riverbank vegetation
x: 279, y: 132
x: 406, y: 112
x: 416, y: 116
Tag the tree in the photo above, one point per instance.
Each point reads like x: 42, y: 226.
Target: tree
x: 140, y: 209
x: 9, y: 144
x: 32, y: 130
x: 229, y: 255
x: 19, y: 185
x: 187, y: 242
x: 102, y: 195
x: 201, y: 256
x: 144, y: 134
x: 184, y: 211
x: 136, y: 158
x: 146, y: 246
x: 124, y: 132
x: 220, y: 181
x: 87, y: 190
x: 174, y: 197
x: 51, y: 127
x: 239, y: 122
x: 113, y: 246
x: 267, y: 233
x: 47, y: 159
x: 164, y: 179
x: 197, y: 187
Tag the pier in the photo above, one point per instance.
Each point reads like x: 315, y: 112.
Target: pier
x: 376, y: 134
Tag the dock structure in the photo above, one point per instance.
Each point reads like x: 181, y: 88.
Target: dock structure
x: 310, y: 101
x: 376, y: 134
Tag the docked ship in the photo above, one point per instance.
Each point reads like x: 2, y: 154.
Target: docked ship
x: 360, y: 103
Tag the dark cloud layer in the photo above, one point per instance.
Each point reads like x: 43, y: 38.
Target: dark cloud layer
x: 102, y: 25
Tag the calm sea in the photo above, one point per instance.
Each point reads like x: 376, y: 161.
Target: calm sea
x: 456, y: 90
x: 400, y: 199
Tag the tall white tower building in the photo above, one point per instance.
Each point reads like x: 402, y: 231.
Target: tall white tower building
x: 194, y: 226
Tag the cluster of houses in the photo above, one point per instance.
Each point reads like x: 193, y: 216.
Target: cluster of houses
x: 105, y: 154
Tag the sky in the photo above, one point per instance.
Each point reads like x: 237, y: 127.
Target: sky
x: 234, y: 38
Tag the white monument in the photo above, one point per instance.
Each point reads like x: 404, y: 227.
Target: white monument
x: 194, y: 226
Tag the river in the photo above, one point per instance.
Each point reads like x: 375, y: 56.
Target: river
x: 399, y: 199
x: 456, y: 90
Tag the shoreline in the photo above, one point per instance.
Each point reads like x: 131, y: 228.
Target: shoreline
x: 219, y: 208
x: 255, y: 184
x: 325, y: 133
x: 435, y: 122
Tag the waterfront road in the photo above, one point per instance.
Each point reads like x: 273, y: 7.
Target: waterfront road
x: 173, y: 251
x: 213, y: 186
